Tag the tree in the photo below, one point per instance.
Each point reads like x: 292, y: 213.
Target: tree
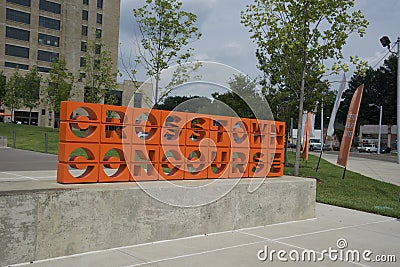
x: 60, y: 84
x: 30, y: 96
x: 14, y: 92
x: 3, y: 83
x: 380, y: 89
x: 165, y: 31
x: 99, y: 80
x: 171, y: 102
x: 295, y: 37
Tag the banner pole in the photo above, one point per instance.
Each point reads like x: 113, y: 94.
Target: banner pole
x: 320, y: 154
x: 344, y: 172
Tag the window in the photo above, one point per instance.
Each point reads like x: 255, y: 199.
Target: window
x: 46, y: 55
x: 18, y: 16
x: 82, y: 62
x: 43, y: 69
x: 137, y: 100
x: 49, y: 23
x: 85, y: 15
x: 21, y: 2
x: 16, y: 65
x: 17, y: 51
x: 83, y: 46
x: 98, y: 33
x: 84, y: 30
x: 99, y: 3
x: 98, y: 49
x: 43, y: 112
x: 45, y: 39
x: 18, y: 34
x: 113, y: 97
x: 86, y: 2
x: 50, y: 6
x: 99, y: 18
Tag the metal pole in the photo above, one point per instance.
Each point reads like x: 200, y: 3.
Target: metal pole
x: 398, y: 99
x: 14, y: 139
x: 322, y: 127
x: 46, y: 142
x: 291, y: 130
x: 380, y: 130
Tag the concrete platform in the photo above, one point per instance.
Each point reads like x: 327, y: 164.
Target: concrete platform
x: 359, y: 230
x: 41, y: 219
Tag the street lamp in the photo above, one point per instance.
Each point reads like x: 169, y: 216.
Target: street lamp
x: 385, y: 41
x: 380, y: 126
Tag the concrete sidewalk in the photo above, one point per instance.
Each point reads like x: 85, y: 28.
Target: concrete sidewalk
x: 380, y: 170
x: 337, y: 228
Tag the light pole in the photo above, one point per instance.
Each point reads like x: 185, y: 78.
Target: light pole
x: 380, y: 126
x: 386, y: 43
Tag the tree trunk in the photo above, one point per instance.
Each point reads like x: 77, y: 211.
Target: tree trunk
x: 156, y: 89
x: 300, y: 123
x: 30, y: 116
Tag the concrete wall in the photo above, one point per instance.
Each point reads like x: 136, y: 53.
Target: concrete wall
x: 49, y: 223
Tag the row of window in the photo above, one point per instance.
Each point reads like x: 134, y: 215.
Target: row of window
x: 24, y: 35
x: 23, y: 52
x: 21, y: 2
x: 23, y: 17
x: 98, y: 32
x: 20, y: 66
x: 50, y: 6
x: 99, y: 3
x: 85, y: 16
x: 43, y: 5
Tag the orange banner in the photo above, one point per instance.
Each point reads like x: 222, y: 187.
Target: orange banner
x: 306, y: 136
x: 350, y: 127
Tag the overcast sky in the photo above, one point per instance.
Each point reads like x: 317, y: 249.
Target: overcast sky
x: 225, y: 40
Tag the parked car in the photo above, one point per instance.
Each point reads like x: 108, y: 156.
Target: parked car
x: 315, y: 144
x: 369, y: 148
x: 385, y: 149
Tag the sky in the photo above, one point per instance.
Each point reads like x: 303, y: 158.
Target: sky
x: 225, y: 40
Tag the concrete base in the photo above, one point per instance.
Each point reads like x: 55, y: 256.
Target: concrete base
x: 47, y: 223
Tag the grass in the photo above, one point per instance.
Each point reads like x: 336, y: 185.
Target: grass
x: 30, y: 137
x: 355, y: 191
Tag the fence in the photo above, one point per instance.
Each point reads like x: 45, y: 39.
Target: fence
x: 104, y: 143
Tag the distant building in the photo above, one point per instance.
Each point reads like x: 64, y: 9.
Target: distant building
x: 33, y: 33
x: 370, y: 133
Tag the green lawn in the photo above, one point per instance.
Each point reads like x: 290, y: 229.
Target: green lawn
x: 355, y: 191
x: 30, y: 137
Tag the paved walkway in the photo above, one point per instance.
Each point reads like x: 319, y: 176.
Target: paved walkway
x: 348, y: 232
x: 12, y: 159
x: 380, y: 170
x: 359, y: 230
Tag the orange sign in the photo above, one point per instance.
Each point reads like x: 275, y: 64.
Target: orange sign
x: 350, y: 127
x: 306, y: 137
x: 103, y: 143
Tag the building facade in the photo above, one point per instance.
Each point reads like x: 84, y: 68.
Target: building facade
x: 34, y: 32
x: 369, y: 134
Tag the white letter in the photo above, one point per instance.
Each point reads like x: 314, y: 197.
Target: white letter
x: 281, y: 255
x: 331, y: 251
x: 366, y: 255
x: 321, y: 258
x: 296, y: 254
x: 263, y: 251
